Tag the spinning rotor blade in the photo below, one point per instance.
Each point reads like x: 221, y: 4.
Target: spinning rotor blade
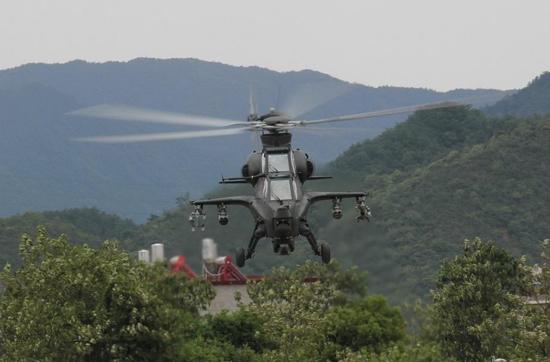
x: 126, y: 113
x: 150, y: 137
x: 329, y: 129
x: 381, y: 113
x: 312, y: 95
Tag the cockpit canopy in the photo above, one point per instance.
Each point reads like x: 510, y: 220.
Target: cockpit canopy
x: 278, y: 163
x: 279, y: 176
x: 280, y: 189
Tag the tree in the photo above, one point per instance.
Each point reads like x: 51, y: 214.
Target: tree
x: 367, y: 323
x: 72, y: 302
x: 319, y: 312
x: 534, y: 317
x: 476, y: 293
x: 295, y: 311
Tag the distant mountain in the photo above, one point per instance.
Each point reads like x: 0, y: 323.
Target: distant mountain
x: 533, y: 99
x: 41, y: 168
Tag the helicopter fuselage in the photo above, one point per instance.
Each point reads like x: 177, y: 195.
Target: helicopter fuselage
x: 277, y: 173
x: 280, y: 204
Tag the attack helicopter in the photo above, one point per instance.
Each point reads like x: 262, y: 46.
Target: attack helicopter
x: 277, y: 173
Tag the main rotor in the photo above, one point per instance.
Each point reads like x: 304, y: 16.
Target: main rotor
x: 271, y: 123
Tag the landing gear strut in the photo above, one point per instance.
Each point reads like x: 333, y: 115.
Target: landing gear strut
x: 240, y: 257
x: 306, y: 231
x: 258, y: 233
x: 323, y: 250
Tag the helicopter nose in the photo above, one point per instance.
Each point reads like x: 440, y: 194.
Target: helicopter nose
x: 283, y: 230
x: 282, y: 222
x: 283, y: 213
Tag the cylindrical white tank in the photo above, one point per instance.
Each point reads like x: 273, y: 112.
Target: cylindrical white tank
x: 221, y: 260
x: 157, y: 252
x: 209, y: 250
x: 143, y: 255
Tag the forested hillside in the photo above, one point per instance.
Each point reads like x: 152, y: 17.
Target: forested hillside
x: 89, y: 226
x: 498, y: 189
x: 533, y: 99
x: 41, y: 167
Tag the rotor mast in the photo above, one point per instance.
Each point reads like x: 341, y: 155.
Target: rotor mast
x: 276, y: 139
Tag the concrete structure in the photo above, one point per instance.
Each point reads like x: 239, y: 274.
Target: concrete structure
x: 227, y: 280
x: 228, y: 297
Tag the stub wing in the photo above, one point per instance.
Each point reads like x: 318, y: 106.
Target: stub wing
x: 320, y: 196
x: 336, y: 197
x: 198, y: 215
x: 233, y: 200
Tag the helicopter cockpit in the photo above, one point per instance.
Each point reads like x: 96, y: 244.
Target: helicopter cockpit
x: 280, y: 189
x: 280, y: 184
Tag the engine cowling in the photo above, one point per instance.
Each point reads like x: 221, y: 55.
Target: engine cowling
x: 304, y: 167
x: 253, y: 165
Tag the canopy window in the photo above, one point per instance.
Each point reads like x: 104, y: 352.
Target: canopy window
x: 280, y: 189
x: 278, y: 162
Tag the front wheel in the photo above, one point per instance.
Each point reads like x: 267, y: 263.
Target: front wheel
x: 325, y: 253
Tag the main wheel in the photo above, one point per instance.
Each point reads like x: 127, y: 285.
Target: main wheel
x: 325, y: 253
x: 240, y: 257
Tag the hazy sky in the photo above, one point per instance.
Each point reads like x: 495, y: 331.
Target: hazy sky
x: 437, y: 44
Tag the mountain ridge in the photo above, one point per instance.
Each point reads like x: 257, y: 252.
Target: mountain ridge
x: 47, y: 170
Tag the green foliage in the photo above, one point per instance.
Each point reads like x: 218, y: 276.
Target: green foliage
x: 367, y: 323
x: 347, y: 284
x: 86, y: 225
x: 533, y: 99
x: 319, y: 312
x: 75, y: 303
x: 295, y: 310
x: 476, y: 292
x: 413, y: 353
x: 533, y: 342
x: 241, y: 329
x: 212, y: 350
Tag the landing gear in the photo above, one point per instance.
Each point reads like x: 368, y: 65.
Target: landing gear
x: 258, y: 233
x: 323, y: 250
x: 306, y: 231
x: 325, y: 253
x: 240, y: 257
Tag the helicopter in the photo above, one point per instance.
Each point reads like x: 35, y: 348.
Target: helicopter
x: 277, y: 173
